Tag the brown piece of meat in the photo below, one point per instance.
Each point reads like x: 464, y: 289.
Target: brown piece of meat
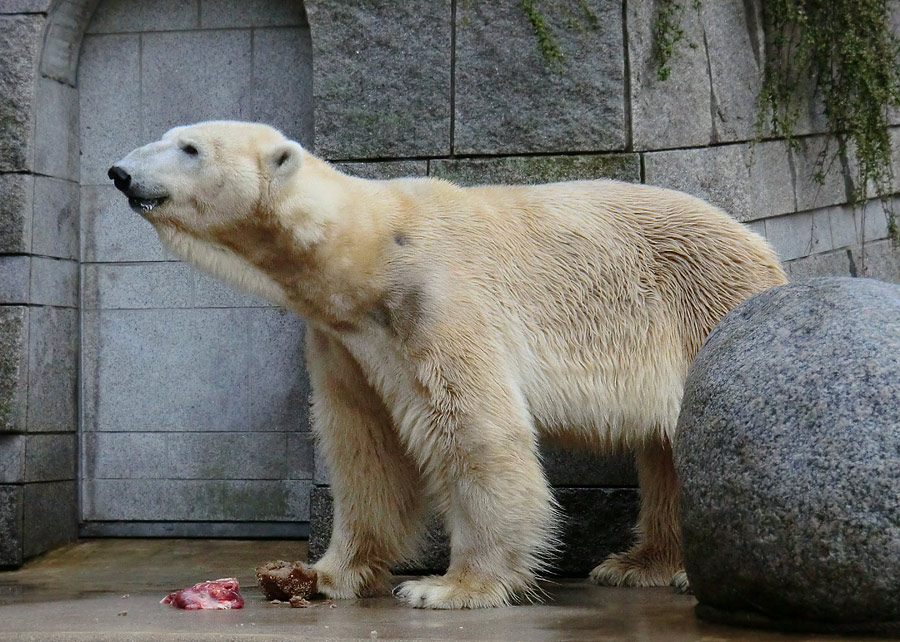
x: 280, y: 580
x: 219, y: 594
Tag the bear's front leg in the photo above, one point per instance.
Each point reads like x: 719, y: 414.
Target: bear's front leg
x: 378, y: 507
x: 476, y: 446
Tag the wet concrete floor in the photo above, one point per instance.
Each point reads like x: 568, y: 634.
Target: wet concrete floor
x: 109, y: 590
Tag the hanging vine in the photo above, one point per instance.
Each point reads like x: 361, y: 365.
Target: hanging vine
x: 848, y: 50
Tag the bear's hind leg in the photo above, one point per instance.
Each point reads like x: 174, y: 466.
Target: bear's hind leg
x: 378, y: 507
x: 656, y: 557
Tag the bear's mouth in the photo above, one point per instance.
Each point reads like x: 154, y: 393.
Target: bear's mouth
x: 144, y: 205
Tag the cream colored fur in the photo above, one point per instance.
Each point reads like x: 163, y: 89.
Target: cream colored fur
x: 450, y: 328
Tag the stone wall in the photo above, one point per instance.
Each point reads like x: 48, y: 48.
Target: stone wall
x: 169, y: 389
x: 461, y: 90
x: 38, y: 295
x: 471, y: 97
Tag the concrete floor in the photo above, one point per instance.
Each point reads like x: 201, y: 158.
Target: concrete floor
x: 105, y: 590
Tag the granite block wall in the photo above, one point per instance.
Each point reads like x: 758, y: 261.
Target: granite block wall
x: 498, y: 106
x: 138, y: 397
x: 38, y: 299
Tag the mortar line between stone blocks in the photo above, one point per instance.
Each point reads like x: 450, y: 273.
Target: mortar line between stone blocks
x: 452, y: 77
x: 248, y: 365
x: 833, y: 252
x: 43, y: 433
x: 713, y: 102
x: 31, y: 274
x: 156, y: 308
x: 27, y: 356
x: 604, y: 487
x: 569, y: 152
x: 31, y: 214
x: 50, y: 176
x: 629, y: 138
x: 39, y: 256
x: 43, y: 481
x: 141, y: 81
x: 158, y: 262
x: 793, y: 168
x: 253, y: 110
x: 81, y: 434
x: 551, y: 154
x: 192, y: 30
x: 37, y: 305
x: 26, y: 441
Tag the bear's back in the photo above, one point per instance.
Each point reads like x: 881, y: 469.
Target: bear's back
x: 634, y: 249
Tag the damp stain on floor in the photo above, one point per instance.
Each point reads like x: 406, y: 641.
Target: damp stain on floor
x: 109, y: 590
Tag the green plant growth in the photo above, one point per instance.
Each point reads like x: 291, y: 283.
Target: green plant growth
x: 847, y: 49
x: 577, y: 16
x: 590, y: 16
x: 667, y: 33
x: 546, y: 42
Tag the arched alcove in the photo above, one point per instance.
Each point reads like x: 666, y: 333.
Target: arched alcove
x: 193, y: 396
x: 131, y: 401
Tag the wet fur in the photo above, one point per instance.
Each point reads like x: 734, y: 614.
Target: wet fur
x: 450, y: 328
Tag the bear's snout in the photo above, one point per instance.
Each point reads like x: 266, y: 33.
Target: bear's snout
x: 120, y: 177
x: 141, y: 198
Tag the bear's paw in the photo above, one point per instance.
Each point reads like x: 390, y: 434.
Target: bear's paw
x: 468, y: 591
x: 341, y: 583
x: 636, y: 568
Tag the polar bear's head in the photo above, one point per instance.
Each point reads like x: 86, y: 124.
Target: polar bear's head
x: 202, y: 176
x: 208, y: 187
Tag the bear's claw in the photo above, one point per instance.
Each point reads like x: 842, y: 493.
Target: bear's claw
x: 681, y: 583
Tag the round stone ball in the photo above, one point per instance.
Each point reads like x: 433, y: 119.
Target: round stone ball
x: 788, y: 452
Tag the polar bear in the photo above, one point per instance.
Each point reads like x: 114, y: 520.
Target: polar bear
x: 450, y: 328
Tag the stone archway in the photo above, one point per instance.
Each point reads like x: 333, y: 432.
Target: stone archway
x: 39, y: 267
x: 194, y: 397
x: 71, y: 377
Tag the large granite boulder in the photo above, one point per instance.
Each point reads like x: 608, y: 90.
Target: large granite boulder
x: 788, y: 449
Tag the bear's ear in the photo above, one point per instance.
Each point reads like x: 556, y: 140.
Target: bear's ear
x: 283, y: 160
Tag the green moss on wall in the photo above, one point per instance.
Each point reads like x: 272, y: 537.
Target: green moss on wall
x: 546, y: 42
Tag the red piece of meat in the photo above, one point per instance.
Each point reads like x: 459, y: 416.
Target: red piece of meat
x: 220, y: 594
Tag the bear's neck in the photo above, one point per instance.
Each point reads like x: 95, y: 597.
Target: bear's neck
x: 323, y: 246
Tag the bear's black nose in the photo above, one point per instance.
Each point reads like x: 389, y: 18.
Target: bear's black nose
x: 120, y: 177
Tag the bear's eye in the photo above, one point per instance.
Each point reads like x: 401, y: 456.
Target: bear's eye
x: 189, y: 149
